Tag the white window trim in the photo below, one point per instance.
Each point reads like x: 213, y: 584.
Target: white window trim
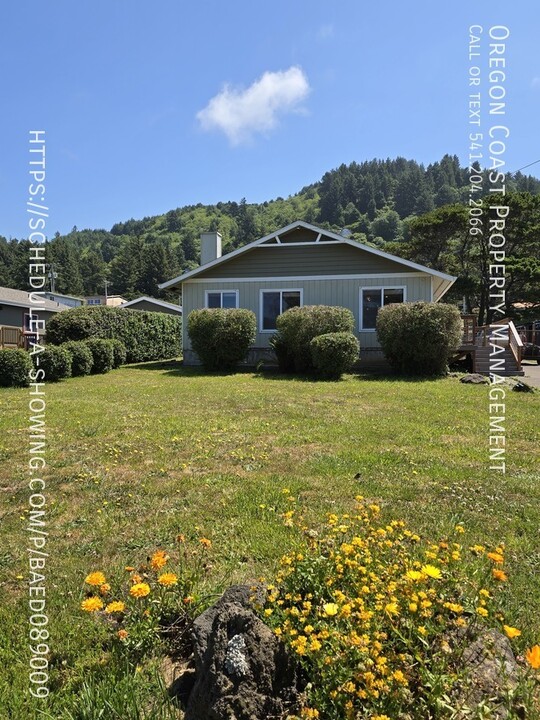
x: 376, y: 287
x: 279, y: 290
x: 221, y: 291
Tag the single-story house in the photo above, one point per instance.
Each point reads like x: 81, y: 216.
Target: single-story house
x: 15, y: 306
x: 145, y: 302
x: 301, y: 264
x: 69, y: 300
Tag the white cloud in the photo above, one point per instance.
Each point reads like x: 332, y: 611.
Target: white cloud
x: 240, y: 114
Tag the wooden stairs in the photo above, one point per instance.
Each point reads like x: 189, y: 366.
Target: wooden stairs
x: 493, y: 348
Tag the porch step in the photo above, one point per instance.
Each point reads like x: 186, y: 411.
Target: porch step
x: 483, y: 361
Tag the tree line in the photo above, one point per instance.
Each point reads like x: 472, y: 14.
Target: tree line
x: 397, y: 204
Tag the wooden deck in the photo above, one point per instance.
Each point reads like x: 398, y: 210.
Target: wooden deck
x: 478, y: 341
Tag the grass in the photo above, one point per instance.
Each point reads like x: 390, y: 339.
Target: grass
x: 140, y: 455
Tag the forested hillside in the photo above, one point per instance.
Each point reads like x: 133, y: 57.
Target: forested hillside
x: 399, y: 205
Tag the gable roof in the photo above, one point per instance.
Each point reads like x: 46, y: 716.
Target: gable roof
x: 154, y: 301
x: 329, y: 237
x: 21, y: 298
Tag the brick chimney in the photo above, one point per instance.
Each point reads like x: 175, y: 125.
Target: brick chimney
x: 210, y: 247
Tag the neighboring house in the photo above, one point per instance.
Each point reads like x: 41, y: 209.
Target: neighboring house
x: 69, y: 300
x: 15, y: 308
x: 303, y: 265
x: 153, y: 305
x: 109, y: 300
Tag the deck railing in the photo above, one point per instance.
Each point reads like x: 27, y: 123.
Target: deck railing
x: 469, y: 329
x: 515, y: 342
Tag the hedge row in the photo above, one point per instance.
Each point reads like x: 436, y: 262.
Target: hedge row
x: 57, y: 362
x: 146, y: 335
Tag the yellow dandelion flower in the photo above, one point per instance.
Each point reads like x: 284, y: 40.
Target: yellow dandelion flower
x: 115, y: 606
x: 330, y: 609
x: 496, y: 557
x: 92, y: 604
x: 205, y: 542
x: 431, y: 571
x: 104, y: 589
x: 139, y: 590
x: 167, y: 579
x: 392, y: 608
x: 511, y: 632
x: 95, y: 578
x: 499, y: 575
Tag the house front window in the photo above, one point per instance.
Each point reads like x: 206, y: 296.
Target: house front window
x: 371, y: 299
x: 222, y: 299
x: 276, y: 302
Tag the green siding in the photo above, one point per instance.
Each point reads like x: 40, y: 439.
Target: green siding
x: 345, y: 293
x: 312, y: 259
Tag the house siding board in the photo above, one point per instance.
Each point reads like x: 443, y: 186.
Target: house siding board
x: 314, y: 259
x: 144, y: 305
x: 345, y: 293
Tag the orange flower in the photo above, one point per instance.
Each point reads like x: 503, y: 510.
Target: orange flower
x: 532, y: 656
x: 139, y: 590
x: 181, y: 538
x: 159, y: 559
x: 122, y: 634
x: 205, y: 542
x: 129, y: 568
x: 104, y: 589
x: 95, y: 578
x: 499, y: 575
x: 496, y: 557
x: 136, y: 578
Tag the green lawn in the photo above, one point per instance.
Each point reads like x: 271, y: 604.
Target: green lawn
x: 147, y: 452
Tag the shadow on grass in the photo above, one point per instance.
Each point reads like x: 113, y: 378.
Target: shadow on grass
x: 177, y: 369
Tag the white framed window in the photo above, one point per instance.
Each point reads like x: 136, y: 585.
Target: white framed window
x: 222, y: 299
x: 374, y: 298
x: 275, y: 302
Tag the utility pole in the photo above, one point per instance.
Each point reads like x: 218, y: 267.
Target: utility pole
x: 106, y: 282
x: 52, y: 275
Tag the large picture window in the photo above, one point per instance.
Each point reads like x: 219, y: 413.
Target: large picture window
x: 371, y: 299
x: 276, y: 302
x: 222, y: 299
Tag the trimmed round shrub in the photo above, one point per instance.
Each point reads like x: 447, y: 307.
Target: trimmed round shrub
x: 297, y: 327
x: 15, y: 366
x: 221, y: 338
x: 146, y: 335
x: 119, y: 352
x: 55, y: 361
x: 419, y: 338
x: 102, y: 354
x: 81, y: 357
x: 334, y: 353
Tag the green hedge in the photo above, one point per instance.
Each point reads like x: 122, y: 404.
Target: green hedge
x: 146, y: 335
x: 55, y: 361
x: 102, y: 355
x: 119, y: 353
x: 334, y: 353
x: 15, y: 366
x: 221, y: 338
x: 297, y: 327
x: 81, y: 357
x: 419, y: 338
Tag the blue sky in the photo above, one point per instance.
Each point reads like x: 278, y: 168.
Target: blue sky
x: 151, y: 106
